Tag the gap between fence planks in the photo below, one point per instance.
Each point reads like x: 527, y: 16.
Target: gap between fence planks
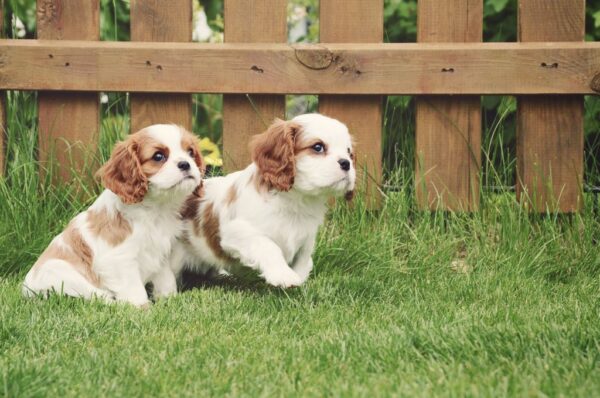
x: 448, y: 129
x: 362, y: 114
x: 550, y: 131
x: 478, y: 68
x: 69, y: 122
x: 250, y: 21
x: 151, y: 21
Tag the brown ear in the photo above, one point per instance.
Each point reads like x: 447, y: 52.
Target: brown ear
x: 123, y: 175
x: 273, y: 153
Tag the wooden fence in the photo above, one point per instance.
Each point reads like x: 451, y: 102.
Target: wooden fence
x: 551, y: 68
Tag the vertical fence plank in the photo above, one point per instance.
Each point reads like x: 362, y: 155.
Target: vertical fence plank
x: 448, y: 129
x: 357, y: 21
x: 250, y: 21
x: 550, y: 128
x: 152, y: 20
x: 2, y: 104
x: 69, y: 122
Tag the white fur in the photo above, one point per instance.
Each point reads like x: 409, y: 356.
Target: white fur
x: 274, y: 232
x: 143, y: 257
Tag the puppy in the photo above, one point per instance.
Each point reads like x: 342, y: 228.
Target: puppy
x: 266, y: 216
x: 124, y: 240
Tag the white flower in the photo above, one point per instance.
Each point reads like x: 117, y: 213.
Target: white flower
x: 202, y: 32
x: 103, y: 98
x: 18, y: 27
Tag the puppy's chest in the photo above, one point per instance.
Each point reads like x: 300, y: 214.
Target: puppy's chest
x: 154, y: 239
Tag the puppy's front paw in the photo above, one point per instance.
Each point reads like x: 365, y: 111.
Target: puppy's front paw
x: 282, y: 277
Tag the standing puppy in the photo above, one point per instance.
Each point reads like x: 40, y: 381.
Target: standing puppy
x: 266, y: 216
x: 124, y: 240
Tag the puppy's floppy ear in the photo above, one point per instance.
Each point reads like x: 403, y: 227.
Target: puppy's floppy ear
x: 273, y: 153
x: 123, y: 174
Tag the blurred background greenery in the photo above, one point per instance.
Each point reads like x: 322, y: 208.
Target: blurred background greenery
x: 499, y: 112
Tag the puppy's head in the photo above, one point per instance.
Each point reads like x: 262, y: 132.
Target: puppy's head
x: 311, y: 154
x: 157, y: 160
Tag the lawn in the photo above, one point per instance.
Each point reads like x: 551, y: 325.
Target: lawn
x: 402, y: 303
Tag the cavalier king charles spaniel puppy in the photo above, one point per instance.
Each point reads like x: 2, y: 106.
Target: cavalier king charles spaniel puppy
x: 124, y: 240
x: 266, y: 216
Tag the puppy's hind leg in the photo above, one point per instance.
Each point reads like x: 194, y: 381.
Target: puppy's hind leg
x: 60, y: 277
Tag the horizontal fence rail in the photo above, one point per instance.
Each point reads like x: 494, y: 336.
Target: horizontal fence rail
x: 414, y: 69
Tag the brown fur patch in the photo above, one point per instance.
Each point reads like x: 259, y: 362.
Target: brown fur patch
x: 123, y: 173
x: 231, y: 195
x: 211, y: 231
x: 112, y: 228
x: 189, y: 142
x: 75, y: 251
x: 189, y: 211
x: 146, y: 148
x: 306, y: 147
x: 273, y: 153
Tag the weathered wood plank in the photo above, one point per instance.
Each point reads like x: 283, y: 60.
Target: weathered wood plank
x: 69, y: 122
x: 550, y: 129
x: 448, y: 129
x: 362, y: 114
x: 250, y: 21
x: 479, y: 68
x: 152, y: 21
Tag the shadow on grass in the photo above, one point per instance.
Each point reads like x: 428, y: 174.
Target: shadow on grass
x: 244, y: 281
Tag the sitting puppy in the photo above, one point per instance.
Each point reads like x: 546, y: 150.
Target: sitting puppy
x: 266, y: 216
x: 124, y: 240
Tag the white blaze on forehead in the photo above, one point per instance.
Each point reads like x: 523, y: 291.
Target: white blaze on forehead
x: 331, y: 131
x: 167, y: 134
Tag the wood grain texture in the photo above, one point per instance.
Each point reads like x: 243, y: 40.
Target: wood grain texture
x: 152, y: 21
x: 448, y: 129
x: 251, y: 21
x: 550, y: 129
x: 69, y: 122
x: 357, y: 21
x: 479, y: 68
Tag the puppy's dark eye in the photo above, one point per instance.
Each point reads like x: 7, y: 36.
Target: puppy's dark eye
x: 191, y: 152
x: 159, y: 157
x: 319, y: 148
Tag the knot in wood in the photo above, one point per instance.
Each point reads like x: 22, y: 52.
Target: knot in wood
x: 314, y: 57
x: 595, y: 84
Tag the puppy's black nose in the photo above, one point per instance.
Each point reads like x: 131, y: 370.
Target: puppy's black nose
x: 344, y: 164
x: 183, y: 165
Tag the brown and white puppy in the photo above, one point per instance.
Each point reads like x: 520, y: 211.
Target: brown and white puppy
x: 266, y: 216
x: 124, y: 240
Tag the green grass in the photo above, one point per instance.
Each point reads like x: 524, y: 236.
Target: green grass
x: 404, y: 303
